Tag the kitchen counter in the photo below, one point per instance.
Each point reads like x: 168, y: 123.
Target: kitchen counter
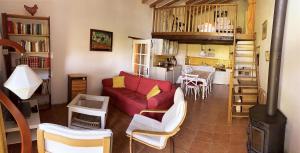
x: 165, y: 73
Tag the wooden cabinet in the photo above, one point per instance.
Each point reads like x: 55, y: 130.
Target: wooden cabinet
x: 164, y: 47
x: 222, y: 77
x: 77, y: 83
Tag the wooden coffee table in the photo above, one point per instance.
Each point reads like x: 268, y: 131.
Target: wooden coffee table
x: 87, y: 111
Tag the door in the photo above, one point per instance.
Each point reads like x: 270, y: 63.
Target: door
x: 141, y: 57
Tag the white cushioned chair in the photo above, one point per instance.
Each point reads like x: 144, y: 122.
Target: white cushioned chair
x: 154, y: 133
x: 59, y: 139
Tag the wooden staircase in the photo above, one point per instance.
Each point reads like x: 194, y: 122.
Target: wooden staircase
x: 244, y: 80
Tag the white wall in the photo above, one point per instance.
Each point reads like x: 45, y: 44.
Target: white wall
x: 264, y: 11
x: 289, y: 97
x: 71, y: 21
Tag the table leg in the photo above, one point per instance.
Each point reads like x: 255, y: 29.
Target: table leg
x: 103, y: 120
x: 69, y: 117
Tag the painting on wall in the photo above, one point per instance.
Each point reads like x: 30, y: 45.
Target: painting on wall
x: 264, y: 30
x: 100, y: 40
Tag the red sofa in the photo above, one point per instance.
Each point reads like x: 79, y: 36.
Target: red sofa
x: 132, y: 99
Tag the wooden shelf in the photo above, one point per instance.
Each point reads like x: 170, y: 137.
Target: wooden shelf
x: 196, y: 37
x: 27, y: 35
x: 40, y: 68
x: 27, y: 17
x: 214, y: 58
x: 13, y: 131
x: 35, y: 68
x: 31, y: 53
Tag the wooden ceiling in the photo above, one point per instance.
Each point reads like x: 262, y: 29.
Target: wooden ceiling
x: 165, y: 3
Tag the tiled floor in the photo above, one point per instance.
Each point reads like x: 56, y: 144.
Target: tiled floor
x: 205, y: 129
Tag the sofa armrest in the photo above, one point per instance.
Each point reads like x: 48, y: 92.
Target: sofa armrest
x: 107, y: 82
x: 163, y: 100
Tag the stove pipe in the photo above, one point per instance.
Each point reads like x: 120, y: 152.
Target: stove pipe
x: 275, y: 57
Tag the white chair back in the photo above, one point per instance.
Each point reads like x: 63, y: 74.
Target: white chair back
x: 187, y: 69
x: 191, y: 80
x: 204, y: 68
x: 174, y: 117
x: 59, y: 139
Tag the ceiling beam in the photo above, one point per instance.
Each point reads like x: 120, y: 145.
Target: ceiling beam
x: 144, y: 1
x: 189, y: 2
x: 170, y: 3
x: 200, y: 2
x: 153, y: 4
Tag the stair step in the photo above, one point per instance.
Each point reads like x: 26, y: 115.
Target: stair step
x: 240, y: 76
x: 244, y: 49
x: 244, y: 94
x: 247, y: 83
x: 240, y: 62
x: 245, y: 70
x: 244, y: 103
x: 245, y: 43
x: 240, y: 114
x: 244, y: 55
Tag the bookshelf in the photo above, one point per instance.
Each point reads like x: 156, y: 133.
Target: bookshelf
x: 32, y: 33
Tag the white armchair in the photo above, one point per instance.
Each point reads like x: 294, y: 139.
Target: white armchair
x: 154, y: 133
x: 59, y: 139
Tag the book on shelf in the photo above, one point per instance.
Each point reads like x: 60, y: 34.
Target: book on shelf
x: 26, y: 28
x: 35, y: 46
x: 34, y: 61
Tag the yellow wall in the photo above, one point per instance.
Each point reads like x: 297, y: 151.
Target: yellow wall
x: 222, y: 54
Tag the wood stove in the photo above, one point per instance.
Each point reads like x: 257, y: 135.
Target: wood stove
x: 266, y: 129
x: 265, y: 133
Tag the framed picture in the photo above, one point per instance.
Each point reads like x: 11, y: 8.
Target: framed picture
x: 264, y: 30
x: 101, y: 40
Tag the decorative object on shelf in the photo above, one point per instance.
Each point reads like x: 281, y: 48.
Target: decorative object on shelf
x: 101, y: 40
x: 202, y: 52
x: 239, y: 29
x: 264, y: 30
x: 267, y: 55
x: 31, y: 10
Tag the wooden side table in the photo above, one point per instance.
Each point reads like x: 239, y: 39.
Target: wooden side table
x: 77, y: 84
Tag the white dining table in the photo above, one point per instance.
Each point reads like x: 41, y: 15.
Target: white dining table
x: 202, y: 76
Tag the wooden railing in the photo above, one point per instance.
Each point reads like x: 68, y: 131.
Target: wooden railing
x: 218, y: 18
x: 15, y: 112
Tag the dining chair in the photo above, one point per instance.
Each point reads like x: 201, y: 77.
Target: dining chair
x: 210, y: 80
x: 154, y: 133
x: 192, y: 84
x: 60, y: 139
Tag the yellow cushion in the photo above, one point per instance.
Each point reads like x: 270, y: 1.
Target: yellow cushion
x: 153, y: 92
x: 118, y: 82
